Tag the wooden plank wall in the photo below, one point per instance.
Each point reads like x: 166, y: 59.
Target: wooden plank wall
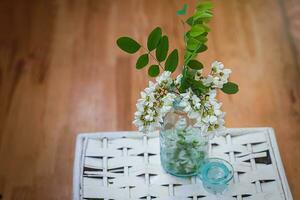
x: 61, y: 74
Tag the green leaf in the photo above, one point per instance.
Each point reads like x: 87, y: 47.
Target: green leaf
x: 187, y: 54
x: 142, y: 61
x: 197, y: 30
x: 202, y: 15
x: 202, y: 48
x: 195, y: 64
x: 201, y: 21
x: 182, y: 11
x: 172, y: 61
x: 205, y: 6
x: 162, y: 49
x: 230, y: 88
x: 198, y: 85
x: 128, y: 45
x: 192, y: 43
x: 153, y: 70
x: 187, y: 79
x: 202, y: 38
x: 190, y: 21
x: 207, y: 29
x: 184, y: 85
x: 154, y: 38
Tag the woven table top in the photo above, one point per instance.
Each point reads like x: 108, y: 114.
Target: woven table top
x: 126, y: 165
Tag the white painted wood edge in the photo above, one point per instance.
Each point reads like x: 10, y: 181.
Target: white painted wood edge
x: 281, y: 170
x: 77, y: 167
x: 119, y: 134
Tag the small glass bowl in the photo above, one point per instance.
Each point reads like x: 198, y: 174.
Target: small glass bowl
x: 215, y: 175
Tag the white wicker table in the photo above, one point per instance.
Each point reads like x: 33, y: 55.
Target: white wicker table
x: 126, y: 165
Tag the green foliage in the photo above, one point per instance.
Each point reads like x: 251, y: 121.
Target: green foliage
x: 154, y: 38
x: 198, y: 87
x: 155, y: 42
x: 230, y: 88
x: 188, y: 81
x: 128, y: 45
x: 153, y: 70
x: 195, y: 64
x: 195, y: 38
x: 183, y: 10
x: 204, y: 16
x: 142, y: 61
x: 205, y: 6
x: 197, y: 30
x: 172, y: 61
x: 190, y: 21
x: 193, y: 44
x: 162, y: 49
x: 201, y: 48
x: 184, y: 85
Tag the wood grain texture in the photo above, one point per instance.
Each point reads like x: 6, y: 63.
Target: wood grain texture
x: 291, y: 15
x: 61, y: 73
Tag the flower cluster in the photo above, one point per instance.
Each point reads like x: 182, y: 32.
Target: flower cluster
x: 205, y: 109
x: 158, y: 99
x: 218, y: 76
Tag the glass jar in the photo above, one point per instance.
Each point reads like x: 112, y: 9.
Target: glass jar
x: 183, y: 148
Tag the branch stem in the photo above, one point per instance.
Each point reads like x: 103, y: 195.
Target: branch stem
x: 146, y: 50
x: 183, y: 24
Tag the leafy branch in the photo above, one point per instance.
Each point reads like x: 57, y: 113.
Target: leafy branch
x: 195, y: 42
x: 156, y: 42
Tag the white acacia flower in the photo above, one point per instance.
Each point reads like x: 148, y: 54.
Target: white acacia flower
x: 213, y: 119
x: 150, y: 88
x: 167, y: 103
x: 178, y: 80
x: 198, y: 75
x: 212, y: 95
x: 196, y: 101
x: 219, y: 75
x: 216, y: 65
x: 150, y: 115
x: 218, y: 83
x: 226, y: 73
x: 155, y: 102
x: 217, y: 112
x: 158, y: 98
x: 164, y: 78
x: 208, y: 80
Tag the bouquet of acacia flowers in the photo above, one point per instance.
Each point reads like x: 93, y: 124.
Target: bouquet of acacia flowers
x: 193, y: 90
x: 184, y: 108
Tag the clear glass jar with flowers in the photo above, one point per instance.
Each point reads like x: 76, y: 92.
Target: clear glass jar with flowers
x: 184, y: 108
